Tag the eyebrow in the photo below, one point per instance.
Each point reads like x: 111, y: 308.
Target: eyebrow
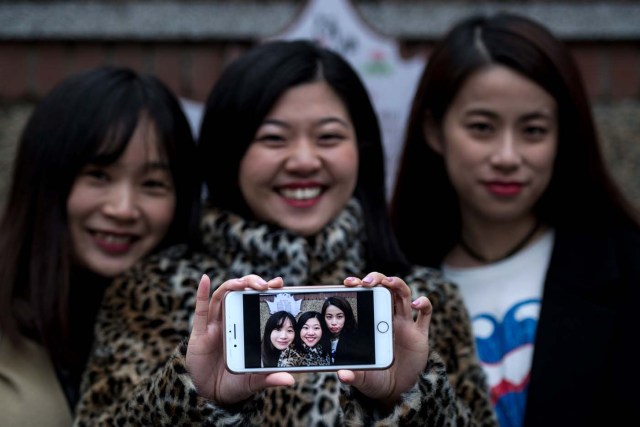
x: 528, y: 116
x: 158, y: 165
x: 323, y: 121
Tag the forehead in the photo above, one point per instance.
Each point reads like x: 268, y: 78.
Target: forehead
x: 309, y: 101
x: 503, y: 90
x: 143, y: 144
x: 285, y: 323
x: 311, y: 320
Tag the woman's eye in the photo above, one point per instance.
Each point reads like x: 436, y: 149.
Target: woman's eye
x: 479, y: 127
x: 330, y: 138
x: 536, y: 132
x: 270, y: 138
x: 157, y: 183
x: 96, y: 174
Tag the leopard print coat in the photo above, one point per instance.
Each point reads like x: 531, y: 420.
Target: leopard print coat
x: 137, y: 373
x: 308, y: 357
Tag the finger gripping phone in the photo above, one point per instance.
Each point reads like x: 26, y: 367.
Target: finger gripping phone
x: 308, y: 328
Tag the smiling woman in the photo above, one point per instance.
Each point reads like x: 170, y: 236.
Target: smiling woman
x: 293, y: 161
x: 102, y: 178
x: 118, y: 212
x: 526, y: 220
x: 311, y: 346
x: 302, y: 161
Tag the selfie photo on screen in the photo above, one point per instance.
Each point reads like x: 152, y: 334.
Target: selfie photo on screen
x: 309, y: 329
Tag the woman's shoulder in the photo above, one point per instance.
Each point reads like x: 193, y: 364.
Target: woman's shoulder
x: 430, y: 282
x: 170, y: 270
x: 290, y: 357
x: 166, y: 279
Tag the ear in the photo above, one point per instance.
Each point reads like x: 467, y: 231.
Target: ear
x: 432, y: 133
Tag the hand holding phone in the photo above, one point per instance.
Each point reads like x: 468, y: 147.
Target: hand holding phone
x: 206, y: 361
x: 411, y: 343
x: 205, y: 357
x: 308, y: 328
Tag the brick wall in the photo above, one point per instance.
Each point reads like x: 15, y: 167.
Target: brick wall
x: 28, y: 70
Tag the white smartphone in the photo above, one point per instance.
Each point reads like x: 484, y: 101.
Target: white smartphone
x: 308, y: 328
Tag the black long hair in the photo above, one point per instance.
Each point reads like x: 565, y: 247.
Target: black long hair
x: 243, y: 96
x: 350, y: 322
x: 324, y: 341
x: 270, y: 354
x: 580, y: 194
x: 87, y: 118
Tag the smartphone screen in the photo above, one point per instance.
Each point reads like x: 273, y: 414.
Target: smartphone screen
x: 293, y: 329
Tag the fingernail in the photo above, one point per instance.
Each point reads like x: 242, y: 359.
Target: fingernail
x: 368, y: 279
x: 414, y: 303
x: 240, y: 280
x: 351, y: 279
x: 262, y: 282
x: 389, y: 280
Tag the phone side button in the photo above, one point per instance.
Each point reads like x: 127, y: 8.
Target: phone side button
x: 383, y: 327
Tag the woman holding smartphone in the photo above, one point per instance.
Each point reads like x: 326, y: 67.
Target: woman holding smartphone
x: 294, y: 165
x: 311, y: 343
x: 279, y: 333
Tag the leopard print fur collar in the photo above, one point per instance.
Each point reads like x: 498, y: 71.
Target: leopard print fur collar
x: 244, y: 246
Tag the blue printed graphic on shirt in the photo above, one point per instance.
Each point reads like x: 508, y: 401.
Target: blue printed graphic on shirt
x: 505, y: 349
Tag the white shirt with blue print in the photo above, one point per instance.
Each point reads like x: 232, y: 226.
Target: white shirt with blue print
x: 504, y: 301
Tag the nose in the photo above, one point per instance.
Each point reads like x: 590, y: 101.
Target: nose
x: 303, y: 157
x: 506, y: 154
x: 121, y: 203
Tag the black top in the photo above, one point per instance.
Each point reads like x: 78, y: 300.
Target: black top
x: 353, y: 349
x: 584, y: 369
x: 85, y: 298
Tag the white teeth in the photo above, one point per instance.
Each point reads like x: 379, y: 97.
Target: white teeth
x: 112, y: 238
x: 301, y: 193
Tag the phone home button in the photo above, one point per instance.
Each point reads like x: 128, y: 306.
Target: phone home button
x: 383, y: 327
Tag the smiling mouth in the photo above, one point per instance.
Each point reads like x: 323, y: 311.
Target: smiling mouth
x: 305, y: 193
x: 504, y: 189
x: 114, y: 239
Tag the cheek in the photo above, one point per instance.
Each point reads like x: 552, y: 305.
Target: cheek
x: 246, y: 176
x: 541, y: 157
x: 348, y: 165
x: 78, y: 203
x: 543, y: 164
x: 255, y: 174
x: 160, y: 215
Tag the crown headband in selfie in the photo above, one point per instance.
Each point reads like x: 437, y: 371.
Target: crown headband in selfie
x: 285, y: 302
